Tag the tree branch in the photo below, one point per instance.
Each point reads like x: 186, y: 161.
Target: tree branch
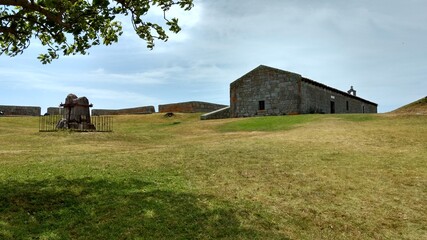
x: 31, y: 6
x: 8, y: 30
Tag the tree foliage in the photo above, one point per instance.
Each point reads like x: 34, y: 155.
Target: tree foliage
x: 71, y: 27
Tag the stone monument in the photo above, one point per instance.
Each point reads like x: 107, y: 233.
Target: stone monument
x: 76, y: 114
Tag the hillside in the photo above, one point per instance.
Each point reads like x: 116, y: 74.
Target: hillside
x: 355, y: 176
x: 418, y: 107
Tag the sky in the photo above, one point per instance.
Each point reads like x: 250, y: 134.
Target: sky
x: 377, y: 46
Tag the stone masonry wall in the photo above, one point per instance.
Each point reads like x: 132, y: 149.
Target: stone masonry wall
x: 20, y: 110
x: 316, y: 99
x: 276, y: 88
x: 190, y: 107
x: 54, y: 111
x: 137, y: 110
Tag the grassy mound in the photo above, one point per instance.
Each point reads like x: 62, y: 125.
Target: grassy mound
x: 418, y: 107
x: 290, y: 177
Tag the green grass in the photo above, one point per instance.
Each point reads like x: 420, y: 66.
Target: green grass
x: 290, y: 177
x: 272, y: 123
x: 357, y: 117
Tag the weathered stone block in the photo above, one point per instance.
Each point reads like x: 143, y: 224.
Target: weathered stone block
x: 76, y: 113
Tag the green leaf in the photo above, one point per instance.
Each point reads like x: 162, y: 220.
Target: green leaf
x: 73, y: 26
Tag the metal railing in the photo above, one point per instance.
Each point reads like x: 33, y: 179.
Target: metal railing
x: 49, y: 123
x: 102, y: 123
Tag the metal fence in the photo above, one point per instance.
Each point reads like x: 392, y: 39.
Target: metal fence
x: 49, y: 124
x: 102, y: 123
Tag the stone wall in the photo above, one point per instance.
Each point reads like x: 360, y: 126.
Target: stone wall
x: 125, y: 111
x: 218, y: 114
x: 318, y: 98
x: 190, y: 107
x: 54, y: 111
x: 20, y: 110
x: 275, y: 89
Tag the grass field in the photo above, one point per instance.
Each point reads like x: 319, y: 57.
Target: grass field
x: 289, y: 177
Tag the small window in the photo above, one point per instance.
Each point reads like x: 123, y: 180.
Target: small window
x: 261, y: 105
x: 346, y: 104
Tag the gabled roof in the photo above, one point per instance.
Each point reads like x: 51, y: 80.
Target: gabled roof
x: 309, y: 81
x: 263, y: 67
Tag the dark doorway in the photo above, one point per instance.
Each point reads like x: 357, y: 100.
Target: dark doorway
x: 261, y: 105
x: 332, y: 107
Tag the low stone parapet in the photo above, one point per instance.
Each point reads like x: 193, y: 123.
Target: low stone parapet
x: 125, y: 111
x: 54, y: 111
x: 20, y: 110
x: 218, y: 114
x: 190, y: 107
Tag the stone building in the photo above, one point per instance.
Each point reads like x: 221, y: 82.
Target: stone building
x: 270, y: 91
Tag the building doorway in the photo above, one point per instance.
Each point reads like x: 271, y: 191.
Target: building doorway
x: 332, y: 107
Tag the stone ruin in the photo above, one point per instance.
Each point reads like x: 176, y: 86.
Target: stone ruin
x: 76, y: 114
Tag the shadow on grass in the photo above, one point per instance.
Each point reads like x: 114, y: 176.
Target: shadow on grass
x: 131, y: 209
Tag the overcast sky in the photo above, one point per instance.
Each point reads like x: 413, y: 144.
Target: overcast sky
x: 377, y: 46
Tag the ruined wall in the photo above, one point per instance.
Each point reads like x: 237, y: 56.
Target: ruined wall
x: 20, y: 110
x: 277, y: 89
x: 190, y: 107
x: 125, y: 111
x: 316, y: 98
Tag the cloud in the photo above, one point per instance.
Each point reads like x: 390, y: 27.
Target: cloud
x: 108, y: 98
x: 97, y: 85
x: 376, y: 46
x: 100, y: 75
